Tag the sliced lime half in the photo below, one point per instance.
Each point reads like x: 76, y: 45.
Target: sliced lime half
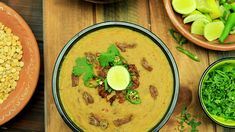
x: 198, y: 26
x: 118, y: 78
x: 184, y: 6
x: 194, y: 17
x: 213, y: 30
x: 202, y: 6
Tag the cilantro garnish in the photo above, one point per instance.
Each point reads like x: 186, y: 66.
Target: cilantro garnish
x: 110, y: 57
x: 186, y: 118
x: 218, y: 91
x: 82, y: 67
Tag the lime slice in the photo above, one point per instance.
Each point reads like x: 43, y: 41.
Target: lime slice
x: 208, y: 17
x: 194, y: 12
x: 198, y: 26
x: 213, y: 30
x: 215, y: 11
x: 184, y: 6
x: 118, y: 78
x: 202, y: 6
x: 194, y: 17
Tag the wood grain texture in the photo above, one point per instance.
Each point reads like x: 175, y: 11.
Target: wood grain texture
x: 62, y: 20
x: 189, y: 70
x: 32, y: 116
x: 134, y: 11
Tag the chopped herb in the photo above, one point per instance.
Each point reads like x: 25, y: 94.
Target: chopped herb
x: 110, y: 57
x: 188, y: 53
x: 218, y: 91
x: 186, y: 118
x: 82, y: 67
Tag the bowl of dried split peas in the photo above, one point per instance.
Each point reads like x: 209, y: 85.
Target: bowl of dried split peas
x: 19, y: 63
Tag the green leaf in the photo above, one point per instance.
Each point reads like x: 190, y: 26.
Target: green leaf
x: 82, y: 67
x: 109, y: 58
x: 105, y: 59
x: 188, y: 119
x: 113, y: 50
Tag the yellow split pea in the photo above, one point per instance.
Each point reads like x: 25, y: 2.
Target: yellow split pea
x: 10, y: 61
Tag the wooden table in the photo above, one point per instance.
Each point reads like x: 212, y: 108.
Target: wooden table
x: 32, y: 116
x: 64, y: 18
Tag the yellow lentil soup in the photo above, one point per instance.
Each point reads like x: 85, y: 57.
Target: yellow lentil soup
x: 155, y: 84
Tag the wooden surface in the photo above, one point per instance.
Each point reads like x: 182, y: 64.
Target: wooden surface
x: 64, y: 18
x: 32, y: 116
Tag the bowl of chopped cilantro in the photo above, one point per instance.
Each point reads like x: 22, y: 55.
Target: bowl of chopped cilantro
x: 217, y: 92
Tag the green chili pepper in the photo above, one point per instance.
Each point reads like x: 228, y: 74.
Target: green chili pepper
x: 189, y: 54
x: 106, y: 87
x: 178, y: 37
x: 222, y: 1
x: 230, y: 23
x: 133, y: 96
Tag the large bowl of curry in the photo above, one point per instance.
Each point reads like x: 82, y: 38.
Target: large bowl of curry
x: 115, y: 76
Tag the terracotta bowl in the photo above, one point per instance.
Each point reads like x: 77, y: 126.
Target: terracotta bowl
x: 26, y: 85
x: 199, y: 40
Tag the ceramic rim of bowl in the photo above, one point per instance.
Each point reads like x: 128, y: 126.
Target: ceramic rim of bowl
x: 200, y: 90
x: 134, y: 27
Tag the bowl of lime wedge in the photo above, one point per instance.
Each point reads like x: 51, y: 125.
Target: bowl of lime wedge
x: 206, y: 23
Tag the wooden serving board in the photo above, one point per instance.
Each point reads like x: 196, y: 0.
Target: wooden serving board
x: 64, y: 18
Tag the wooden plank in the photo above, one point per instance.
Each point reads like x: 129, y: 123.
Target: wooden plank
x: 134, y: 11
x: 190, y: 71
x: 62, y: 20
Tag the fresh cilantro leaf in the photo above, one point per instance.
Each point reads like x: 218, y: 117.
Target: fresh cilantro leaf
x: 186, y: 118
x: 113, y: 50
x: 110, y: 57
x: 105, y: 59
x: 82, y: 67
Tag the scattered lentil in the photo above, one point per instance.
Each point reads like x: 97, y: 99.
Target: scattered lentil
x: 10, y: 61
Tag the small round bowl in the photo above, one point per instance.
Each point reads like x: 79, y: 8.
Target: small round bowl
x: 80, y: 35
x: 199, y: 40
x: 219, y: 120
x: 27, y: 82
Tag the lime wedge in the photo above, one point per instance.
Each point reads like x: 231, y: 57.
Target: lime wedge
x: 208, y: 17
x: 118, y: 78
x: 202, y: 6
x: 194, y: 12
x: 184, y: 6
x: 215, y: 11
x: 194, y: 17
x: 213, y: 30
x: 198, y: 26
